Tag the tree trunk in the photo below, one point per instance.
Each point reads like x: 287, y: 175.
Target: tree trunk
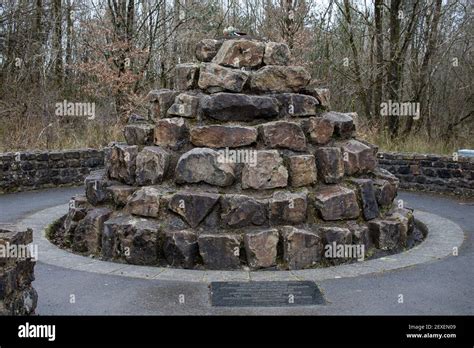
x: 357, y: 70
x: 57, y: 42
x: 394, y: 74
x: 421, y: 94
x: 69, y: 25
x: 379, y: 65
x: 288, y: 36
x: 37, y: 49
x: 164, y: 47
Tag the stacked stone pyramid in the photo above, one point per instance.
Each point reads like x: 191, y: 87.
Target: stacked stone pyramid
x: 241, y: 165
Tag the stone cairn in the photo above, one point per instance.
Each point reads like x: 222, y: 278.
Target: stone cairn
x: 242, y: 165
x: 17, y: 296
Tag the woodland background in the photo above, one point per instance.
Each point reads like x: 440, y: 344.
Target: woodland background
x: 113, y: 52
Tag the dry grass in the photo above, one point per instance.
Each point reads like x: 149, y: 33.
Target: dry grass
x: 32, y: 124
x: 55, y: 135
x: 418, y: 143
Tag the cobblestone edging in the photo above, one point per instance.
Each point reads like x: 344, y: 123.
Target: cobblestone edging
x: 22, y: 171
x: 434, y: 173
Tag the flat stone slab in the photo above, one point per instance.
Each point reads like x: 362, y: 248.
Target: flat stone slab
x: 444, y: 237
x: 265, y: 294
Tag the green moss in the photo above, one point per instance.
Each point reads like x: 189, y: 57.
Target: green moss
x: 52, y: 229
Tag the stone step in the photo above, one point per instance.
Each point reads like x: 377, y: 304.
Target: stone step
x: 139, y: 240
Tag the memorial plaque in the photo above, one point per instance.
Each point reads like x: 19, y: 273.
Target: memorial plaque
x: 265, y: 294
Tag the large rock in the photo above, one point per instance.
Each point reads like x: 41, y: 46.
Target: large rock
x: 239, y: 107
x: 240, y: 211
x: 87, y: 236
x: 193, y: 207
x: 358, y: 157
x: 337, y: 241
x: 17, y: 272
x: 385, y: 192
x: 120, y: 162
x: 336, y: 202
x: 360, y: 234
x: 74, y: 215
x: 135, y: 240
x: 240, y: 53
x: 97, y: 185
x: 338, y: 235
x: 214, y: 78
x: 202, y: 165
x: 288, y: 208
x: 282, y: 134
x: 223, y: 136
x: 387, y: 234
x: 185, y: 105
x: 143, y: 245
x: 366, y: 191
x: 297, y: 105
x: 405, y: 216
x: 80, y: 201
x: 330, y: 164
x: 302, y: 170
x: 301, y: 248
x: 384, y: 174
x: 160, y: 101
x: 17, y: 296
x: 144, y: 202
x: 186, y: 76
x: 14, y: 234
x: 110, y: 236
x: 119, y: 194
x: 274, y: 78
x: 386, y: 186
x: 21, y: 301
x: 323, y: 95
x: 180, y: 248
x: 407, y: 223
x: 170, y: 132
x: 269, y: 172
x: 261, y: 248
x: 276, y: 53
x: 207, y: 49
x: 319, y: 130
x: 139, y: 134
x: 151, y: 165
x: 343, y: 124
x: 220, y: 251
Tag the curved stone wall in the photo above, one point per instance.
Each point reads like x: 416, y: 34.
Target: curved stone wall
x: 434, y: 173
x: 22, y: 171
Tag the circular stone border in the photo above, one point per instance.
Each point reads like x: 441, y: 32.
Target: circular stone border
x: 444, y: 235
